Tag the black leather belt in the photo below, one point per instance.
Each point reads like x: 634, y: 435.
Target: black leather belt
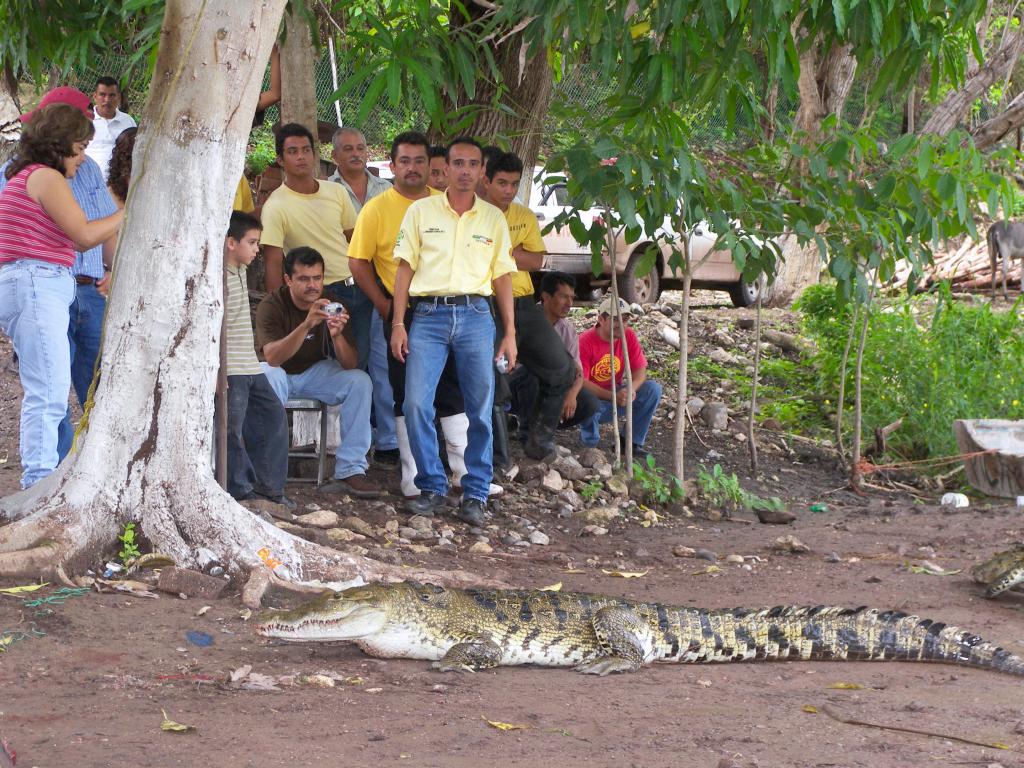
x: 462, y: 300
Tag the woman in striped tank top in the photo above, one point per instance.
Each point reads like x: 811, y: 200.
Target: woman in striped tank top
x: 41, y: 227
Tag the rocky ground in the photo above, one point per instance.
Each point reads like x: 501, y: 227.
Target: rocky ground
x: 87, y: 681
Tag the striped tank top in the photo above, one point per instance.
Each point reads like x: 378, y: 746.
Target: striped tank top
x: 26, y: 230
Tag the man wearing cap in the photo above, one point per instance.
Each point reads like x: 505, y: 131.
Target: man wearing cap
x: 451, y: 249
x: 599, y: 365
x: 91, y: 269
x: 109, y: 122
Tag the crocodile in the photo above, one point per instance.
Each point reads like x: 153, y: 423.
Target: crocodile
x: 1002, y: 571
x: 472, y: 629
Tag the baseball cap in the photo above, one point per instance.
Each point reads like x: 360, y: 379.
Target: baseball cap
x: 63, y: 95
x: 605, y: 308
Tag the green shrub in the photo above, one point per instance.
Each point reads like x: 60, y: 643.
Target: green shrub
x: 261, y: 152
x: 927, y: 359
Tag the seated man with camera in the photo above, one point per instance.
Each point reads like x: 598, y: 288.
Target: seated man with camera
x: 307, y: 351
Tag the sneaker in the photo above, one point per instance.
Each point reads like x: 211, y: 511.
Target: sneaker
x: 387, y: 456
x: 471, y: 511
x: 353, y: 485
x: 426, y: 504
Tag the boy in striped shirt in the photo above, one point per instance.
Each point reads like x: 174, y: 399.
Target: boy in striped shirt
x: 257, y: 422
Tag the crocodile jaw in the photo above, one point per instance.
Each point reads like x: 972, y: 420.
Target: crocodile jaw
x: 342, y: 622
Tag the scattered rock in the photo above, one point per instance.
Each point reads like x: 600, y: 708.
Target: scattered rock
x: 414, y: 534
x: 569, y: 468
x: 591, y: 457
x: 511, y: 538
x: 745, y: 323
x: 775, y: 516
x: 358, y: 525
x: 682, y: 551
x: 570, y: 498
x: 539, y: 538
x: 604, y: 471
x: 552, y: 481
x: 773, y: 424
x: 597, y: 515
x: 617, y: 486
x: 734, y: 559
x: 706, y: 554
x: 391, y: 526
x: 312, y: 507
x: 320, y: 518
x: 532, y: 472
x: 185, y: 581
x: 418, y: 549
x: 593, y: 530
x: 343, y: 534
x: 420, y: 523
x: 694, y: 406
x: 789, y: 544
x: 722, y: 357
x: 266, y: 506
x: 716, y: 416
x: 481, y: 548
x: 833, y: 557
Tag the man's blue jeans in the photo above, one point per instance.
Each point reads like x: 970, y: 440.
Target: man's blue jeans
x: 647, y: 398
x: 257, y: 438
x: 84, y: 331
x: 360, y: 312
x: 385, y: 439
x: 34, y: 301
x: 467, y: 332
x: 329, y: 383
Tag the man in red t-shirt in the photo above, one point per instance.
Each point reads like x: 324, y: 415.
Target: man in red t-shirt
x: 598, y: 369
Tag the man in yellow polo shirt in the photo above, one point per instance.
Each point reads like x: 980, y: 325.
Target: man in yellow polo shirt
x: 450, y: 250
x: 371, y: 259
x: 541, y: 351
x: 305, y: 211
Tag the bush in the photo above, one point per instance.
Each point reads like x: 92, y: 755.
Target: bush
x: 929, y: 360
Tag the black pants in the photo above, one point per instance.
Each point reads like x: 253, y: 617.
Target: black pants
x: 448, y: 398
x: 257, y: 437
x: 525, y: 392
x: 543, y: 355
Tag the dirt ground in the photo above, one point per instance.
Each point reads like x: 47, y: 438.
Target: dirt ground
x: 91, y: 691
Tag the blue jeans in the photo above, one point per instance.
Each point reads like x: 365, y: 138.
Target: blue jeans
x: 360, y: 311
x: 329, y: 383
x: 385, y: 439
x: 84, y: 331
x: 34, y: 301
x: 647, y: 398
x: 257, y: 438
x: 467, y: 333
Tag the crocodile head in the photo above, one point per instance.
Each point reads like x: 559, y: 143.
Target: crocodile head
x: 349, y: 615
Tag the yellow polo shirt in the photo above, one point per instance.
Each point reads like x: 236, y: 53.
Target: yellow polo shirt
x: 525, y: 232
x: 243, y: 197
x: 291, y: 219
x: 376, y: 231
x: 451, y: 254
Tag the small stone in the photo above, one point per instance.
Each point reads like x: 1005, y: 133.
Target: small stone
x: 617, y: 486
x: 321, y: 518
x: 722, y: 357
x: 569, y: 468
x: 312, y: 507
x: 414, y: 534
x: 739, y: 437
x: 734, y: 559
x: 391, y: 526
x: 481, y: 548
x: 358, y: 525
x: 539, y: 538
x: 790, y: 544
x: 420, y: 523
x: 569, y: 497
x: 267, y: 507
x: 596, y: 515
x: 593, y: 530
x: 511, y: 538
x: 775, y: 516
x: 694, y: 406
x: 552, y: 481
x: 185, y: 581
x: 745, y: 323
x: 682, y: 551
x: 532, y: 472
x: 706, y: 554
x: 716, y: 416
x: 591, y: 457
x: 418, y: 549
x: 524, y: 544
x: 604, y: 471
x: 343, y: 534
x: 833, y: 557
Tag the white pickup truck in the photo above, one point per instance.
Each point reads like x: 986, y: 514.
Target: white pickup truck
x: 716, y: 272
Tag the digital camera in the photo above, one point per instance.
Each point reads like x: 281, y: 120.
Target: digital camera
x: 333, y: 309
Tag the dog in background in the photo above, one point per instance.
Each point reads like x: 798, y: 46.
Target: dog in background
x: 1005, y: 243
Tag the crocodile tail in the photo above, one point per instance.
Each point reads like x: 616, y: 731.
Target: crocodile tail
x: 867, y: 634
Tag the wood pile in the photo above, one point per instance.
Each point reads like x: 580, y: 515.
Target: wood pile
x: 965, y: 265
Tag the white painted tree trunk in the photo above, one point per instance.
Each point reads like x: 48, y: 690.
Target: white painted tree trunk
x: 146, y: 453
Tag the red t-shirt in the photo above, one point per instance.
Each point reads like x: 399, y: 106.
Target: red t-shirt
x: 596, y: 361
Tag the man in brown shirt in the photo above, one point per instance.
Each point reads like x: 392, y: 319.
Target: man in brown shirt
x: 307, y: 352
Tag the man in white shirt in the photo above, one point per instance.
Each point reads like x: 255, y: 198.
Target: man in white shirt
x: 109, y: 122
x: 350, y: 155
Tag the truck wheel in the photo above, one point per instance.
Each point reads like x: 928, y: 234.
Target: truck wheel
x: 744, y: 294
x: 639, y: 290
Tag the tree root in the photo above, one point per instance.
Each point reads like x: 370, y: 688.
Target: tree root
x: 37, y: 561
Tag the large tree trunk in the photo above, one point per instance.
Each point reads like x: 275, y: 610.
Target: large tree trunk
x: 957, y: 104
x: 10, y: 112
x: 994, y: 129
x: 298, y: 86
x: 824, y: 85
x: 146, y: 453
